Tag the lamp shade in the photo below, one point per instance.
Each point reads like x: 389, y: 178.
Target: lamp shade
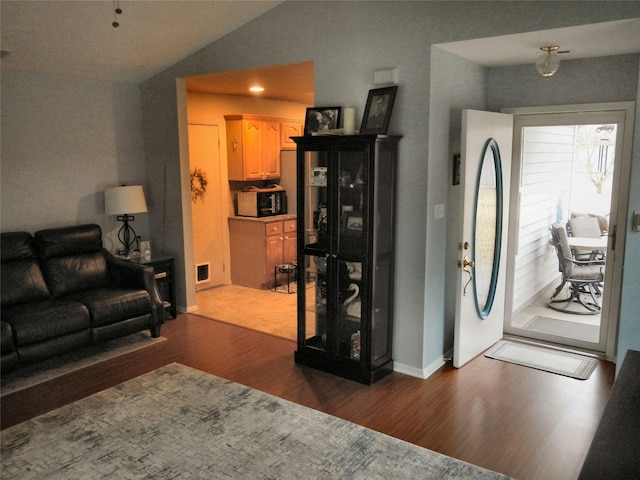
x: 124, y: 200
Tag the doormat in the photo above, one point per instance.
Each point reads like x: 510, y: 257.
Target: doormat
x: 564, y: 328
x: 546, y: 359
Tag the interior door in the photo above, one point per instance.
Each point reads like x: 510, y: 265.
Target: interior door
x: 208, y: 243
x: 479, y: 323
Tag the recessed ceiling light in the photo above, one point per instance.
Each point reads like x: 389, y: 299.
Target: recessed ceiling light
x: 256, y: 89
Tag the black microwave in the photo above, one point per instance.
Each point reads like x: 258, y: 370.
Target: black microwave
x: 262, y: 202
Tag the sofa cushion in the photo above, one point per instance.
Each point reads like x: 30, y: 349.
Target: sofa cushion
x: 6, y: 338
x: 38, y: 321
x: 21, y: 279
x: 16, y: 246
x: 61, y: 242
x: 75, y: 273
x: 8, y: 355
x: 72, y: 259
x: 111, y: 305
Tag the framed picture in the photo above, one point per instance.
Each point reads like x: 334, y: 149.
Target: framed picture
x: 318, y: 177
x: 354, y: 222
x: 377, y: 112
x: 321, y: 118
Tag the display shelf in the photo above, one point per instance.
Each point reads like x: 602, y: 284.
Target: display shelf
x: 346, y: 199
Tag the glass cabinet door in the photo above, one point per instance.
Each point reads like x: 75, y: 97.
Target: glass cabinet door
x: 350, y: 250
x: 317, y: 243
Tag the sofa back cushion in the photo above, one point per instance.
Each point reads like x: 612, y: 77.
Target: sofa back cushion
x: 72, y: 259
x: 21, y: 277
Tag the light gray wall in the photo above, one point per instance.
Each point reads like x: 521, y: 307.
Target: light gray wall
x: 591, y: 80
x: 629, y: 334
x: 347, y: 41
x: 64, y: 140
x: 456, y: 84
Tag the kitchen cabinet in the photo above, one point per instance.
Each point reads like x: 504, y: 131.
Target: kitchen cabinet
x: 346, y: 203
x: 290, y: 129
x: 253, y: 147
x: 258, y: 245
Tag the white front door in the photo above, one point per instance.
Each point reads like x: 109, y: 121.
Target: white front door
x: 473, y: 334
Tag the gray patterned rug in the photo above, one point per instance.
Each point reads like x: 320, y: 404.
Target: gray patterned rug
x: 177, y: 422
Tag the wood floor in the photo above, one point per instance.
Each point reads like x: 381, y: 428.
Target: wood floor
x: 515, y: 420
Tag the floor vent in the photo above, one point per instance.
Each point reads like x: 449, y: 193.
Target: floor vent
x: 202, y: 272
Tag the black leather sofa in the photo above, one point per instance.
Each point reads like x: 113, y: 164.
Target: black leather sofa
x: 61, y: 291
x: 614, y: 452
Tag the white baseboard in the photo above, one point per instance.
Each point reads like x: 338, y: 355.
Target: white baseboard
x: 423, y: 373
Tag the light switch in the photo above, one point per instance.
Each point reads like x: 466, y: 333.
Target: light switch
x: 439, y: 211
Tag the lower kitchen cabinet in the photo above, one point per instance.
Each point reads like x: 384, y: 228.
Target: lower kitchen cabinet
x: 258, y: 245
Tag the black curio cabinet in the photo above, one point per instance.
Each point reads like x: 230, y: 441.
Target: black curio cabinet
x: 346, y: 202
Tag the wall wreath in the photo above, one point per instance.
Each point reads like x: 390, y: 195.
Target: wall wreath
x: 198, y: 185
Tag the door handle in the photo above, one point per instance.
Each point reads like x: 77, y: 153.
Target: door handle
x: 466, y: 266
x: 612, y: 236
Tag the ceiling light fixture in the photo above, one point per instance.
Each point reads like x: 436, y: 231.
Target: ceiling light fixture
x: 256, y: 89
x: 549, y: 62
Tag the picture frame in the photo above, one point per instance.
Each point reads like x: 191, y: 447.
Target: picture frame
x: 377, y: 112
x: 354, y: 222
x: 321, y: 118
x: 318, y: 177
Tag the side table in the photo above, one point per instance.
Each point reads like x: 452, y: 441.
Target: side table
x: 163, y: 267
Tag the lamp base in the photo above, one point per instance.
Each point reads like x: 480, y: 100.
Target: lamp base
x: 126, y: 234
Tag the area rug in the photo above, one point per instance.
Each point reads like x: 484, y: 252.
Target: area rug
x: 549, y: 360
x: 564, y: 328
x: 177, y: 422
x: 52, y: 368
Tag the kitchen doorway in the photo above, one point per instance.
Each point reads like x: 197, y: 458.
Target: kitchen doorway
x: 208, y: 98
x: 566, y: 166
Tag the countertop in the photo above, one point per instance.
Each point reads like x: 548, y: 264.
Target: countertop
x: 274, y: 218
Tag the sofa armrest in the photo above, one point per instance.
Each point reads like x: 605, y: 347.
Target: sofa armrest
x: 125, y: 274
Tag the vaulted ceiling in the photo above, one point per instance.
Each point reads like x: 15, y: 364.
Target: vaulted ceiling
x: 76, y: 38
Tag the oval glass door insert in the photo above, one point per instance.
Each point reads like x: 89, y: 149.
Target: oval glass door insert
x: 487, y: 228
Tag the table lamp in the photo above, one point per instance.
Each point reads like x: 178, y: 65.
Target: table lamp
x: 123, y: 201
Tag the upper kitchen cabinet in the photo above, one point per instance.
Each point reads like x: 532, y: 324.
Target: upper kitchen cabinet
x: 253, y: 147
x: 290, y: 129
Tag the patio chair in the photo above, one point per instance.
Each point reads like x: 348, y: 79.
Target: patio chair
x: 588, y: 227
x: 582, y: 277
